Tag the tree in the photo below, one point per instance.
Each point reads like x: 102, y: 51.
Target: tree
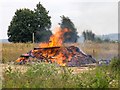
x: 84, y: 35
x: 25, y: 22
x: 106, y: 40
x: 88, y: 35
x: 20, y: 29
x: 72, y: 35
x: 99, y: 40
x: 42, y: 24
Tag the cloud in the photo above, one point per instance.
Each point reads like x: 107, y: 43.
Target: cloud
x: 99, y: 16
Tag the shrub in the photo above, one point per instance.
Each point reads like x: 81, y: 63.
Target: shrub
x: 115, y: 64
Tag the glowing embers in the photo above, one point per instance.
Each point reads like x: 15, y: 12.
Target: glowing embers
x: 64, y: 56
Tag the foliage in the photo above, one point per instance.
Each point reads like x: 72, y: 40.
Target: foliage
x: 99, y: 40
x: 115, y: 68
x: 115, y: 64
x: 67, y: 23
x: 25, y: 22
x: 19, y: 30
x: 107, y: 40
x: 42, y: 24
x: 52, y: 76
x: 88, y: 35
x: 38, y: 76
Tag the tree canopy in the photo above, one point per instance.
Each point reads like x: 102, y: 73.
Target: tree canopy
x: 67, y: 23
x: 25, y: 22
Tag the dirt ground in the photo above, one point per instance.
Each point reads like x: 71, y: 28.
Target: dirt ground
x: 23, y: 68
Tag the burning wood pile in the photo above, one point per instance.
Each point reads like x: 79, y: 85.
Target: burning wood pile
x: 55, y: 52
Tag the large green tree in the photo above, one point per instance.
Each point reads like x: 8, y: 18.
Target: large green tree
x: 42, y: 24
x: 25, y: 22
x: 72, y: 35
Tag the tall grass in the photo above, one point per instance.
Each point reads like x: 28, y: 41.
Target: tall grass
x: 11, y: 51
x: 98, y: 50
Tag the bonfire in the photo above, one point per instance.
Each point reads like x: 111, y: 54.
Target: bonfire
x: 54, y: 51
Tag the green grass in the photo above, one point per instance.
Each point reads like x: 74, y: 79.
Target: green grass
x: 52, y: 76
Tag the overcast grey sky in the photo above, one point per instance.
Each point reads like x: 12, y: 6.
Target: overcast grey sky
x: 100, y: 16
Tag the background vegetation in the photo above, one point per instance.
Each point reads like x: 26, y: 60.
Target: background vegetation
x: 71, y: 36
x: 25, y: 22
x: 51, y: 76
x: 90, y: 36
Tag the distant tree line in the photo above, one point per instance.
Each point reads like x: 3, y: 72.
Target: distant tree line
x: 90, y: 36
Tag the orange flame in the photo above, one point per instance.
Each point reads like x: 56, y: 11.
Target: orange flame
x: 56, y: 39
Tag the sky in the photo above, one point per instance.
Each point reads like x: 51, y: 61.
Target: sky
x: 100, y: 16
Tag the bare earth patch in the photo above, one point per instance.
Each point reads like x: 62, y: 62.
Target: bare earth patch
x: 23, y: 68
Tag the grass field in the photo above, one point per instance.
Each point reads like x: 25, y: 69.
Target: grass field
x: 10, y: 51
x: 99, y: 50
x: 52, y: 76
